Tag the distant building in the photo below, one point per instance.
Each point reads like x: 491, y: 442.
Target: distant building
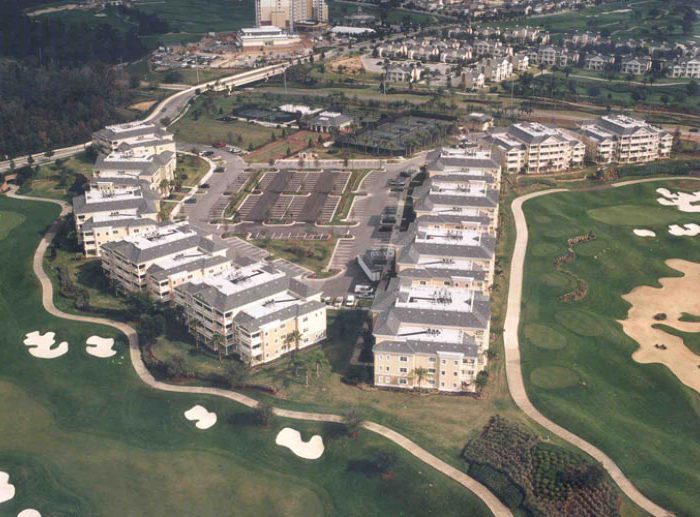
x: 688, y: 67
x: 268, y: 36
x: 285, y: 13
x: 534, y: 148
x: 636, y: 65
x: 139, y: 138
x: 151, y: 169
x: 598, y: 62
x: 622, y: 139
x: 403, y: 73
x: 478, y: 122
x: 330, y: 122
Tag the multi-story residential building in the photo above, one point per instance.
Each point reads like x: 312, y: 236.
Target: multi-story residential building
x: 495, y: 69
x: 108, y: 212
x: 428, y: 337
x: 519, y: 61
x: 687, y: 67
x: 255, y: 311
x: 471, y: 162
x: 403, y: 73
x: 598, y: 62
x: 176, y: 248
x: 141, y: 138
x: 622, y: 139
x: 534, y: 148
x: 636, y: 65
x: 551, y: 56
x: 471, y: 79
x: 285, y: 13
x: 155, y: 170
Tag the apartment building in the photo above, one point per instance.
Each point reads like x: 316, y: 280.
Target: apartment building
x: 623, y: 139
x: 636, y: 65
x: 108, y: 212
x: 403, y: 73
x: 253, y: 311
x: 598, y: 62
x: 430, y: 337
x: 285, y: 13
x: 431, y: 322
x: 153, y: 170
x: 174, y: 252
x: 688, y: 67
x: 141, y: 138
x: 534, y: 148
x: 495, y: 69
x: 471, y: 79
x: 551, y: 56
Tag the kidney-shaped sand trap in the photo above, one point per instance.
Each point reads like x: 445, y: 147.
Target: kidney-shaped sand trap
x: 29, y: 512
x: 291, y: 439
x: 676, y: 296
x: 7, y: 489
x: 686, y: 202
x: 689, y: 230
x: 205, y: 419
x: 640, y: 232
x: 100, y: 346
x: 41, y: 345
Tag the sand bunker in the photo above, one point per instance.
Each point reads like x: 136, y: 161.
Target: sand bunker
x: 100, y: 347
x: 684, y: 201
x: 291, y: 439
x: 41, y: 345
x: 205, y: 419
x: 689, y: 230
x: 639, y: 232
x: 677, y: 295
x: 29, y: 512
x: 7, y: 489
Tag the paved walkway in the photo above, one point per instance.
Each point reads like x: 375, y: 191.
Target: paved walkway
x: 514, y: 372
x: 491, y: 501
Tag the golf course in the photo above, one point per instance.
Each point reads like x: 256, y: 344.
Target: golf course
x: 582, y: 257
x: 82, y: 434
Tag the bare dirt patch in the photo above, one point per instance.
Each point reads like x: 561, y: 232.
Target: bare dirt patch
x: 142, y: 106
x: 667, y: 304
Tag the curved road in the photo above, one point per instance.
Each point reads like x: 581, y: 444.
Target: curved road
x: 514, y: 373
x: 490, y: 500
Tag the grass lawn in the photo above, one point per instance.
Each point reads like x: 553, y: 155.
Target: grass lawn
x: 313, y: 255
x: 85, y: 436
x: 338, y: 10
x: 190, y: 169
x: 201, y: 16
x: 187, y: 75
x: 54, y: 180
x: 577, y: 361
x: 199, y: 125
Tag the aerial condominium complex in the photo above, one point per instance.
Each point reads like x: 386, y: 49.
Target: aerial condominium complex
x: 257, y: 311
x: 622, y: 139
x: 141, y: 138
x: 135, y: 167
x: 431, y: 323
x: 533, y: 148
x: 109, y: 211
x: 176, y: 248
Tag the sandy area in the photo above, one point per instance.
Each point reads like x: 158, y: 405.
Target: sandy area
x: 7, y: 489
x: 640, y: 232
x: 41, y: 345
x: 29, y: 512
x: 690, y: 230
x: 676, y: 296
x: 291, y: 439
x: 100, y: 347
x: 684, y: 201
x: 205, y: 419
x: 142, y: 106
x: 349, y: 64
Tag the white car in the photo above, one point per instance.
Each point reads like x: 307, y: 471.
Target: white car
x: 350, y: 300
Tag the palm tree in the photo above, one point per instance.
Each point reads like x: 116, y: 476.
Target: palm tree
x: 420, y: 374
x: 195, y: 327
x: 293, y: 337
x: 164, y: 186
x: 218, y: 343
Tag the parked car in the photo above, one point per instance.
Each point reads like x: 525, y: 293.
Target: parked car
x: 219, y: 145
x: 207, y: 153
x: 190, y: 201
x: 219, y: 169
x: 350, y: 300
x: 338, y: 302
x: 204, y: 185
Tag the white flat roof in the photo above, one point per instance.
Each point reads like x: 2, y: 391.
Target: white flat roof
x: 162, y: 235
x: 438, y: 299
x: 465, y: 237
x: 100, y: 196
x: 240, y: 279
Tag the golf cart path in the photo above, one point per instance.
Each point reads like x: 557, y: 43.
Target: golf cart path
x: 483, y: 493
x: 514, y: 373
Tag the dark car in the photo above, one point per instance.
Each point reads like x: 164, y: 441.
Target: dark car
x: 190, y: 201
x: 219, y: 169
x: 204, y: 185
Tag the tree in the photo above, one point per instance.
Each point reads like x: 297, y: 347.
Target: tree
x: 264, y: 413
x: 164, y: 186
x: 420, y: 374
x: 482, y: 379
x: 293, y: 337
x: 176, y: 366
x: 352, y: 421
x: 218, y: 344
x: 384, y: 461
x: 237, y: 373
x: 151, y: 327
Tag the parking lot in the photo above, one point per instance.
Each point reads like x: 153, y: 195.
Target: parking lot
x: 291, y: 196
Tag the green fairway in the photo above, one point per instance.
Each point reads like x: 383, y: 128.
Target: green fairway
x: 201, y: 16
x: 84, y: 436
x: 577, y: 362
